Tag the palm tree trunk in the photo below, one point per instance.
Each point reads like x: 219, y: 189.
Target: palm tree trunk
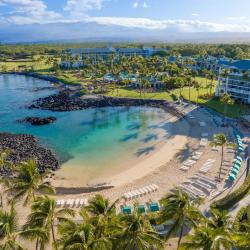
x: 189, y: 92
x: 180, y: 237
x: 53, y: 236
x: 222, y: 156
x: 37, y: 244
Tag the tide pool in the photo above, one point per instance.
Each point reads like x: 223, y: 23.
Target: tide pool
x: 94, y: 139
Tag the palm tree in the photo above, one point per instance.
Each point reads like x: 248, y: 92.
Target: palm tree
x: 82, y: 235
x: 211, y: 84
x: 99, y: 205
x: 207, y: 238
x: 43, y: 215
x: 9, y: 230
x: 179, y: 209
x: 38, y: 234
x: 4, y: 162
x: 27, y: 182
x: 226, y: 100
x: 219, y: 219
x: 103, y: 214
x: 138, y: 234
x: 221, y: 141
x: 197, y: 86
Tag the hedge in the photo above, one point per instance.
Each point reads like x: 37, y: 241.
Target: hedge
x: 239, y: 217
x: 231, y: 199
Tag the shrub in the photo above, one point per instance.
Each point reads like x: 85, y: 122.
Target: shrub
x: 231, y: 199
x: 239, y: 218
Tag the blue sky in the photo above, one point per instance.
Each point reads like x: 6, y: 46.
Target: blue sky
x: 182, y: 15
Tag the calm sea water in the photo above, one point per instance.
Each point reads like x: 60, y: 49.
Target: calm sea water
x: 96, y: 138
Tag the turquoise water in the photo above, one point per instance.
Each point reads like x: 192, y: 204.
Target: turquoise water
x: 92, y: 138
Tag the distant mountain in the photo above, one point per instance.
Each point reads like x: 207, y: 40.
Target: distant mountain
x: 94, y: 32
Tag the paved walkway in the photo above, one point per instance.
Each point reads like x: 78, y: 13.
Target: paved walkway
x: 242, y: 203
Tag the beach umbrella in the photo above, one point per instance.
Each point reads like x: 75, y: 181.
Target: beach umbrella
x: 237, y: 166
x: 241, y: 149
x: 127, y: 210
x: 154, y: 207
x: 141, y: 209
x: 238, y: 162
x: 239, y: 158
x: 232, y: 177
x: 234, y: 171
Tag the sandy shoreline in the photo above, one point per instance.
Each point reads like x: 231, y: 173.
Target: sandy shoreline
x: 73, y: 176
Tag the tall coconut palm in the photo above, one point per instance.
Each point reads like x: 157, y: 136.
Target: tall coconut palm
x: 4, y: 162
x: 103, y: 215
x: 82, y: 235
x: 99, y: 205
x: 138, y: 234
x: 207, y: 238
x: 26, y: 182
x: 211, y: 84
x: 9, y: 230
x: 219, y: 219
x: 197, y: 87
x: 226, y: 100
x: 44, y: 214
x: 181, y: 211
x: 220, y: 140
x: 38, y: 234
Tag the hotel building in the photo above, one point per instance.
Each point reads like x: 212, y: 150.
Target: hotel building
x: 236, y: 82
x: 105, y: 53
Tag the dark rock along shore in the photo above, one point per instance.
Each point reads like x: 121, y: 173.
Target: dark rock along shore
x: 38, y: 121
x: 67, y: 100
x: 24, y: 147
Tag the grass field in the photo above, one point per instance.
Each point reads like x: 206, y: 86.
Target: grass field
x: 72, y: 77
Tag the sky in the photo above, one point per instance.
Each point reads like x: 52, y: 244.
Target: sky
x: 182, y: 15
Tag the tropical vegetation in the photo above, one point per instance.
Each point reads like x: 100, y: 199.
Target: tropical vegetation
x: 99, y: 226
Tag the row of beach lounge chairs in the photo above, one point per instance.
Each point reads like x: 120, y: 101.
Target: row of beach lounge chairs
x: 141, y: 208
x: 238, y: 159
x: 199, y: 185
x: 72, y: 203
x: 190, y: 162
x: 207, y: 166
x: 140, y: 192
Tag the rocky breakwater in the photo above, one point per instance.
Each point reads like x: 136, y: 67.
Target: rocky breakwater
x: 24, y: 147
x: 38, y: 121
x: 68, y: 100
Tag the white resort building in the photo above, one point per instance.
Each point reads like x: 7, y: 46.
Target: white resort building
x: 103, y: 53
x: 236, y: 82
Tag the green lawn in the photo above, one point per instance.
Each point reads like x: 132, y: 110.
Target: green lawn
x: 132, y: 93
x: 234, y: 111
x: 71, y: 77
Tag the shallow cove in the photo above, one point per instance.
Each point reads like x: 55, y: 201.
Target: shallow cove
x: 92, y: 142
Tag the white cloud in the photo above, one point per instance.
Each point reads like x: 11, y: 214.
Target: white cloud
x: 135, y: 4
x: 36, y: 11
x: 176, y: 25
x: 78, y: 8
x: 138, y: 4
x: 28, y: 11
x: 145, y: 5
x: 238, y: 18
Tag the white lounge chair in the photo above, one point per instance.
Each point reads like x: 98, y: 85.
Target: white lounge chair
x: 204, y: 134
x: 189, y: 162
x: 82, y: 202
x: 58, y: 203
x: 203, y: 142
x: 202, y: 124
x: 184, y: 168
